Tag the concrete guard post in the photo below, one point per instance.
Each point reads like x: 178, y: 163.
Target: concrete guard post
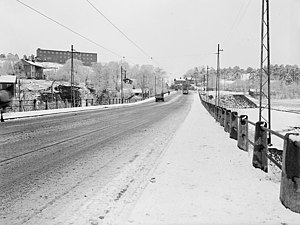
x: 223, y: 117
x: 208, y: 107
x: 260, y: 159
x: 212, y: 109
x: 233, y: 131
x: 218, y: 114
x: 290, y: 175
x: 243, y: 133
x: 215, y: 112
x: 227, y: 120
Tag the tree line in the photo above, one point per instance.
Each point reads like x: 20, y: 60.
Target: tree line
x: 288, y: 74
x: 285, y: 79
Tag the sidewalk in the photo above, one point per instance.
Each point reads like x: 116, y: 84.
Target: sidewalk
x: 26, y: 114
x: 203, y: 178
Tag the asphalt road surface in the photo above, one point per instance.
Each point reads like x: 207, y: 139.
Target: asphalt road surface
x: 75, y: 168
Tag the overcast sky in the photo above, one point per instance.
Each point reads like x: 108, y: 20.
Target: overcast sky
x: 177, y: 34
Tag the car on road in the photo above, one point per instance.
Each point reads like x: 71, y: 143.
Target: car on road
x: 159, y: 97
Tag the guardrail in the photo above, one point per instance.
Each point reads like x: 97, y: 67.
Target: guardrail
x: 286, y: 159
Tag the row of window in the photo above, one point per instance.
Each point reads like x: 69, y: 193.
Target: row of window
x: 63, y: 59
x: 65, y: 53
x: 45, y: 52
x: 68, y: 57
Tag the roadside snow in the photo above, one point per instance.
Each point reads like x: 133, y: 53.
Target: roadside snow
x: 204, y: 178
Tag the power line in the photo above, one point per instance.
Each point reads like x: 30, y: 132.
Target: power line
x: 135, y: 44
x: 238, y: 19
x: 64, y: 26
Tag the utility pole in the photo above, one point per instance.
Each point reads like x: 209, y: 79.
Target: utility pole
x: 217, y: 100
x: 154, y: 84
x: 122, y: 94
x: 207, y: 83
x: 72, y: 78
x: 265, y: 67
x: 204, y: 82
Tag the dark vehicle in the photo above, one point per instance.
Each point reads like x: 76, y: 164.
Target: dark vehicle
x: 159, y: 97
x: 5, y: 99
x: 185, y: 89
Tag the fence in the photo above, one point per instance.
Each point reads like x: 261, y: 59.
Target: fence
x: 32, y: 105
x: 286, y: 159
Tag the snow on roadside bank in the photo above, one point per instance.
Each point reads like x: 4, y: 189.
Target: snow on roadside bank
x: 204, y: 178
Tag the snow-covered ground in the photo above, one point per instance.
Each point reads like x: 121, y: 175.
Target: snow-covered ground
x: 203, y: 178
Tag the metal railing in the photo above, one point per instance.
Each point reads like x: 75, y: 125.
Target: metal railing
x: 286, y: 159
x: 33, y: 105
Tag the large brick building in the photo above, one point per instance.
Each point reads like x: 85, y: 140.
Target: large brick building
x: 46, y: 55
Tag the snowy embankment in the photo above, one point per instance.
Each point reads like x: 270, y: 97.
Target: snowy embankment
x: 203, y: 178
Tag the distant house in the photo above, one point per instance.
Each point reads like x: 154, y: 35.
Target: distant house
x: 8, y: 80
x: 33, y: 70
x: 245, y: 76
x: 137, y: 92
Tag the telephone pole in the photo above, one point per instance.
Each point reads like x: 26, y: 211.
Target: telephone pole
x: 72, y: 78
x: 122, y: 94
x: 265, y: 68
x: 122, y: 70
x: 207, y: 82
x: 217, y: 99
x: 154, y: 85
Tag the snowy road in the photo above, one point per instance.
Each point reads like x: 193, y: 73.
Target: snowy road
x: 75, y: 167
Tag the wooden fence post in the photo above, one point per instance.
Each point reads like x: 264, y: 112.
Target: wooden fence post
x: 34, y: 104
x: 290, y: 175
x: 243, y: 133
x: 260, y: 159
x: 20, y: 105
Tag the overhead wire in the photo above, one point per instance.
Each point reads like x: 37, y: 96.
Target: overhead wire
x: 75, y: 32
x: 134, y: 43
x: 242, y: 11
